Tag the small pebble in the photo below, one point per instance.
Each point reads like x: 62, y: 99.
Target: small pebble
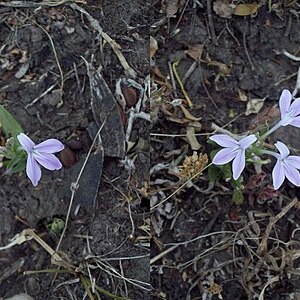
x: 130, y: 95
x: 67, y: 157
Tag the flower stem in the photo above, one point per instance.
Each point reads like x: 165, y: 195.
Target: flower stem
x: 264, y: 136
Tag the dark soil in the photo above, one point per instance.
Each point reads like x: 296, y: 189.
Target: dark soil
x: 245, y: 58
x: 36, y: 39
x: 203, y: 246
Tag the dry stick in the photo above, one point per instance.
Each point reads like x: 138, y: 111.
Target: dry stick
x: 75, y: 185
x: 246, y: 49
x: 263, y: 245
x: 211, y: 23
x: 116, y: 47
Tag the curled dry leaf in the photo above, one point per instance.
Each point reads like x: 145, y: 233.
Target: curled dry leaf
x: 191, y: 137
x: 153, y: 46
x: 188, y: 115
x: 171, y: 7
x: 242, y: 96
x: 195, y: 52
x: 223, y: 8
x: 254, y: 106
x: 246, y: 9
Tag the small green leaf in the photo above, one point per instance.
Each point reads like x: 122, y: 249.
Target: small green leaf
x: 237, y: 197
x: 10, y: 125
x: 214, y: 173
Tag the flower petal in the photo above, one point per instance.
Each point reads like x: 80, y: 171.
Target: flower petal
x: 224, y: 140
x: 285, y: 102
x: 293, y: 161
x: 33, y: 170
x: 278, y: 175
x: 283, y: 149
x: 247, y: 141
x: 49, y: 146
x: 292, y: 174
x: 238, y: 164
x: 47, y: 160
x: 295, y: 107
x: 224, y: 156
x: 26, y: 143
x: 295, y: 122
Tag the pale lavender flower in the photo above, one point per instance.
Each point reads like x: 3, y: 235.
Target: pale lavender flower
x: 40, y: 154
x: 290, y: 113
x: 286, y: 166
x: 233, y: 150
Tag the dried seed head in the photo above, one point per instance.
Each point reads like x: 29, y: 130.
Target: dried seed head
x: 193, y: 165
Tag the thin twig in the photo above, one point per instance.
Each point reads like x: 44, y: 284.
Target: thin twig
x: 246, y: 49
x: 211, y: 23
x: 76, y: 184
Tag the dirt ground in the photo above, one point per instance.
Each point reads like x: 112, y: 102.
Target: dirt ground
x: 63, y: 76
x: 47, y: 51
x: 229, y: 58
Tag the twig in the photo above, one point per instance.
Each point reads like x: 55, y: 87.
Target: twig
x: 211, y: 23
x: 264, y: 242
x: 246, y: 49
x: 189, y: 101
x: 76, y: 184
x: 209, y: 96
x: 181, y: 15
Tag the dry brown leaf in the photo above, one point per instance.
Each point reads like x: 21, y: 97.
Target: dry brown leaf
x: 195, y: 52
x: 171, y: 7
x: 191, y: 137
x: 242, y: 96
x: 254, y: 106
x: 223, y: 68
x: 246, y: 9
x: 153, y: 46
x: 188, y: 115
x: 223, y: 8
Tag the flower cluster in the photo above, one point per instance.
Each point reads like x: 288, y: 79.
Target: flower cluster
x: 287, y: 166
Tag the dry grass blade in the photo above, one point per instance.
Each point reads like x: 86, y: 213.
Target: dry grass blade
x: 263, y: 245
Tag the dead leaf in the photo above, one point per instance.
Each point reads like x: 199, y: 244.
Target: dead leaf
x: 195, y: 52
x: 223, y: 68
x: 254, y: 106
x: 188, y: 115
x: 246, y: 9
x: 171, y: 7
x: 191, y: 137
x: 153, y: 46
x: 223, y: 8
x: 242, y: 96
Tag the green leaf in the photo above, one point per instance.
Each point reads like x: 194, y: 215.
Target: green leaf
x: 10, y: 125
x: 214, y: 173
x: 16, y: 164
x: 237, y: 197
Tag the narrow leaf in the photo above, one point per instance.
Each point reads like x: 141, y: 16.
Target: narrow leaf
x: 9, y: 124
